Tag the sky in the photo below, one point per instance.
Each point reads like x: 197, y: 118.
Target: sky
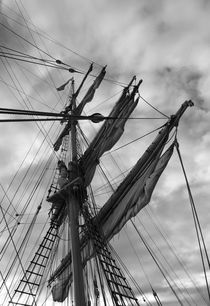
x: 165, y: 43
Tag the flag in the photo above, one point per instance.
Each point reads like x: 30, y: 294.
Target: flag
x: 62, y: 87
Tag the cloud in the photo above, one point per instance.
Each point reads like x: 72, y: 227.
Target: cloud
x: 164, y: 43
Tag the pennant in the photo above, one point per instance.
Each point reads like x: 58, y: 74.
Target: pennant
x: 62, y: 87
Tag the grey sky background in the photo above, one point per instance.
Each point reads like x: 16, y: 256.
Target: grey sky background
x: 167, y: 44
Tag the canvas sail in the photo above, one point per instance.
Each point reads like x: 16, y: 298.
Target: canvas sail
x: 87, y: 98
x: 124, y: 205
x: 109, y: 134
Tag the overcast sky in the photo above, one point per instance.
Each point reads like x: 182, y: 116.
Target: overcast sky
x: 165, y: 43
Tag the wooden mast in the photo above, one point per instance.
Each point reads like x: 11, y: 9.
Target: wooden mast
x: 73, y: 214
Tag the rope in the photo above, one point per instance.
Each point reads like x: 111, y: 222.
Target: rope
x: 16, y: 251
x: 134, y: 250
x: 128, y: 143
x: 10, y: 30
x: 157, y: 226
x: 155, y: 260
x: 167, y: 263
x: 196, y: 222
x: 153, y: 107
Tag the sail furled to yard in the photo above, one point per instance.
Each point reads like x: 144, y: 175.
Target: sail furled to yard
x: 91, y: 91
x: 109, y: 134
x: 132, y: 195
x: 87, y: 98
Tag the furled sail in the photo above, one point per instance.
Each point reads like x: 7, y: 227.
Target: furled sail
x: 130, y: 198
x: 91, y: 91
x: 110, y: 132
x: 87, y: 98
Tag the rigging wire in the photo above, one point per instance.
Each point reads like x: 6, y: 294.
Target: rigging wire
x: 163, y: 234
x: 18, y: 35
x: 2, y: 54
x: 27, y: 186
x: 111, y: 186
x: 5, y: 284
x: 45, y: 134
x: 140, y: 262
x: 40, y: 38
x: 18, y: 170
x: 136, y: 139
x: 159, y: 266
x: 94, y: 75
x: 153, y: 107
x: 40, y: 50
x: 42, y: 80
x: 9, y: 85
x: 47, y: 36
x: 168, y: 263
x: 172, y: 136
x: 15, y: 249
x: 6, y: 211
x: 196, y: 222
x: 140, y: 291
x: 23, y: 242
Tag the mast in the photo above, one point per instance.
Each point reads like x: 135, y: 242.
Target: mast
x: 73, y: 214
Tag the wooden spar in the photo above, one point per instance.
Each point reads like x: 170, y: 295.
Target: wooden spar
x: 73, y: 214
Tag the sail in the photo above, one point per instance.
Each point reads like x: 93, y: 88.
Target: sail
x: 120, y: 208
x: 87, y: 98
x: 129, y: 199
x: 109, y: 134
x: 91, y: 91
